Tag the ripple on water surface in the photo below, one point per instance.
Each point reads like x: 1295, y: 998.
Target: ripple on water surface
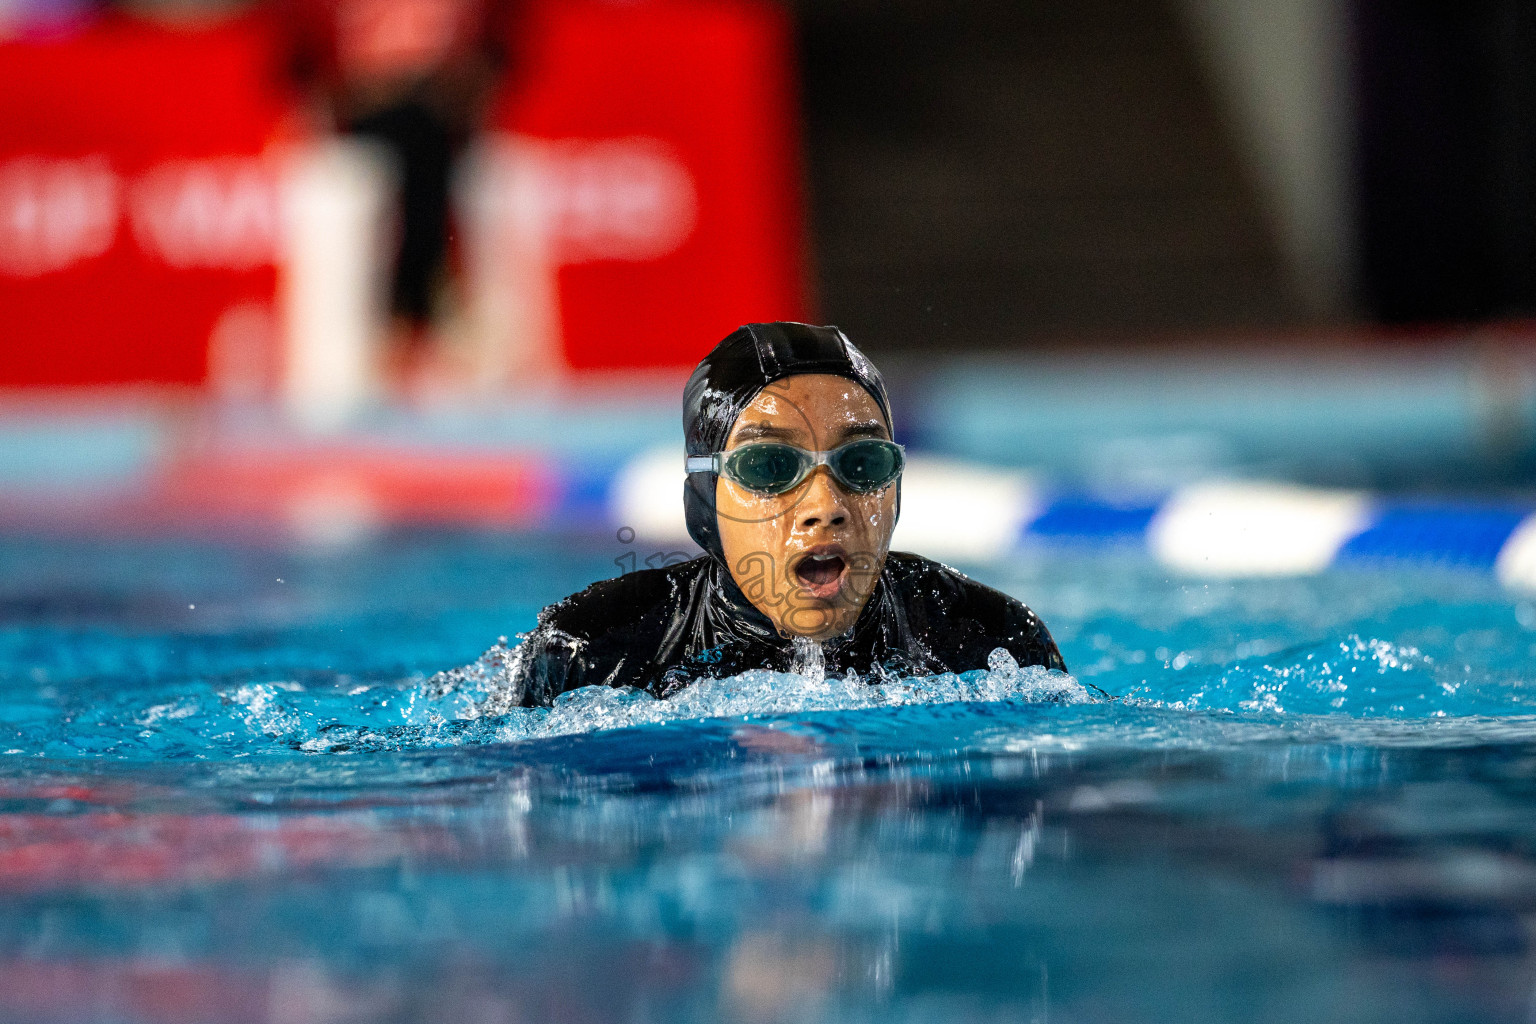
x: 282, y: 654
x: 1311, y: 800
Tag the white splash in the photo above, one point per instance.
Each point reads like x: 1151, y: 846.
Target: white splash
x: 763, y: 692
x: 810, y: 660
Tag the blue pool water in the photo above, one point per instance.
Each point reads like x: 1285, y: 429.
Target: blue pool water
x: 251, y: 783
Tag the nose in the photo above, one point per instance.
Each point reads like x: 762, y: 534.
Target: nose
x: 823, y: 503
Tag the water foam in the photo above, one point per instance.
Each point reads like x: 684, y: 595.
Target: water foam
x: 1358, y: 676
x: 758, y: 692
x: 469, y: 705
x: 1328, y: 691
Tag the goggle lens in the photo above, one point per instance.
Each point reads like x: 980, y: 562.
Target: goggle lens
x: 768, y: 468
x: 866, y: 465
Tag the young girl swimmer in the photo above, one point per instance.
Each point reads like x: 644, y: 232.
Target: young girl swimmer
x: 793, y: 488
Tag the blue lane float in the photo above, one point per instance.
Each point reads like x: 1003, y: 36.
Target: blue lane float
x: 1214, y: 528
x: 1445, y: 534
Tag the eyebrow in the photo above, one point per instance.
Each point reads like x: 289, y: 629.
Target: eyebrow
x: 749, y: 432
x: 871, y: 428
x: 759, y: 431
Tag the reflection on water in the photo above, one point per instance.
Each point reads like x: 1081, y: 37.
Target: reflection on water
x: 821, y: 879
x: 196, y: 829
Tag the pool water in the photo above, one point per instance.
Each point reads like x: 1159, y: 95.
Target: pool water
x: 245, y: 782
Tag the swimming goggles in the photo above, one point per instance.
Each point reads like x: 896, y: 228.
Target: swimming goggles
x: 770, y: 467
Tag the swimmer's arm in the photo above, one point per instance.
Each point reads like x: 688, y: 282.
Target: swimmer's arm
x: 1032, y: 635
x: 1017, y: 628
x: 547, y: 664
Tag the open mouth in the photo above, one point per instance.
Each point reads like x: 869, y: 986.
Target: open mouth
x: 821, y: 574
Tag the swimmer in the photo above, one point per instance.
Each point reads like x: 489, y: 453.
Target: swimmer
x: 792, y: 488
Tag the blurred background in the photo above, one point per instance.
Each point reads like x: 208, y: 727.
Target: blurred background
x: 338, y: 337
x: 323, y: 266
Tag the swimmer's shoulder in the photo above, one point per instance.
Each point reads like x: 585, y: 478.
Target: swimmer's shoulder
x: 612, y: 633
x: 626, y: 603
x: 971, y: 618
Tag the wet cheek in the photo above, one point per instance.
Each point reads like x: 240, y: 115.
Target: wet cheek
x: 765, y: 536
x: 748, y: 513
x: 875, y: 518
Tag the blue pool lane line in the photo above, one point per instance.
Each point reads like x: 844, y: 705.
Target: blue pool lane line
x: 1491, y: 538
x: 1084, y: 519
x: 1216, y: 529
x: 1450, y: 534
x: 1442, y: 534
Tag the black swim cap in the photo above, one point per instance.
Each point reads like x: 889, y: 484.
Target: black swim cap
x: 725, y: 382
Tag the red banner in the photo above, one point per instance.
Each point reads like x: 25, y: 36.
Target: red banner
x: 137, y: 214
x: 672, y: 166
x: 140, y: 214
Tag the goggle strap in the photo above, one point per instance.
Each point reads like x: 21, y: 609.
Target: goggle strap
x: 702, y: 463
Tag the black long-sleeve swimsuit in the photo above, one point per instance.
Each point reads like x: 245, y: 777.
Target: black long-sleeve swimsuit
x: 659, y: 629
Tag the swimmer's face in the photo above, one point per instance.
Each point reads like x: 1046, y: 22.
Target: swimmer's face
x: 808, y: 558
